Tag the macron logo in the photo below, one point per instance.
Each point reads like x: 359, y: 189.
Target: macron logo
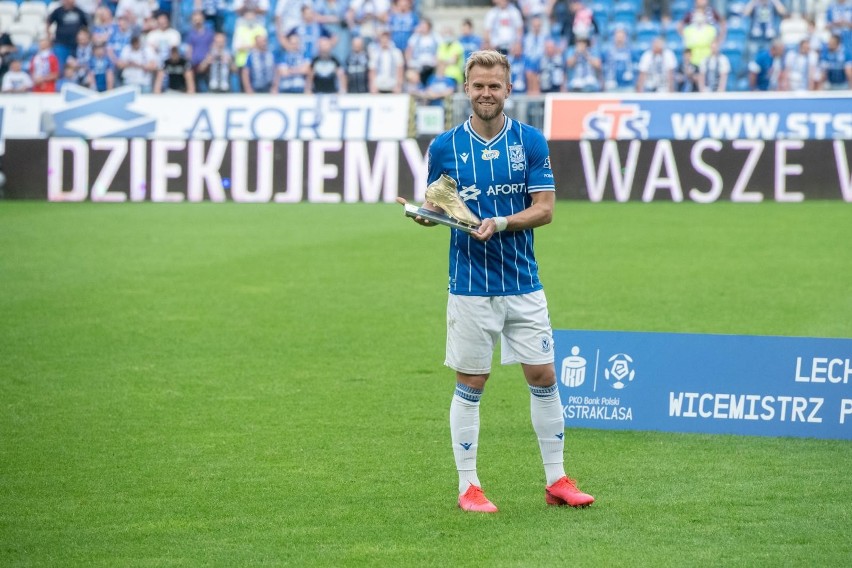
x: 466, y: 445
x: 560, y: 435
x: 464, y: 157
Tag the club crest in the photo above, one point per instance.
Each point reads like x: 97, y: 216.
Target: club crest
x: 517, y: 157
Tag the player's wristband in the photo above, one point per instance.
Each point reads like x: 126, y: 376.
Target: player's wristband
x: 501, y: 223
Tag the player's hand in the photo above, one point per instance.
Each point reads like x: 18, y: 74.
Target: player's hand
x: 485, y: 231
x: 418, y: 219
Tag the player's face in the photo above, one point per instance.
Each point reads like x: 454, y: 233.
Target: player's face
x: 487, y: 89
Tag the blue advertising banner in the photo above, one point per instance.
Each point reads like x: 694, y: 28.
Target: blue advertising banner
x: 719, y: 384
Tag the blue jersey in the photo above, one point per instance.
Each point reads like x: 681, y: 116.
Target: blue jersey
x: 495, y: 178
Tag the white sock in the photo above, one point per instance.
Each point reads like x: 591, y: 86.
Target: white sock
x: 549, y: 426
x: 464, y: 428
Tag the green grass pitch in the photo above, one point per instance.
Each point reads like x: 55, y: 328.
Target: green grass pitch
x: 236, y: 385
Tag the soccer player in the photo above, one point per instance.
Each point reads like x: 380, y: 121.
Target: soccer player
x: 502, y: 171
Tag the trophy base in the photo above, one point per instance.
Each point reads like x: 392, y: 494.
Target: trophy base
x: 439, y: 218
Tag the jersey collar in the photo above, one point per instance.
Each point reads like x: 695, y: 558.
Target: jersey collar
x: 469, y: 127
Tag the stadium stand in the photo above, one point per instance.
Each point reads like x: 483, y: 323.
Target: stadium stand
x: 24, y: 22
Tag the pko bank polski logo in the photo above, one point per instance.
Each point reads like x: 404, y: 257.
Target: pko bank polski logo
x: 620, y: 370
x: 616, y: 121
x: 89, y: 114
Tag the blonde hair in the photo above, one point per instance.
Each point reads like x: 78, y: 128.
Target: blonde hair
x: 487, y: 58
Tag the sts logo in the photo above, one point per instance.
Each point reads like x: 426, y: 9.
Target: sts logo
x: 616, y: 121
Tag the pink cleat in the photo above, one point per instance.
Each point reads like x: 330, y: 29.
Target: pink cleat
x: 475, y: 500
x: 565, y: 492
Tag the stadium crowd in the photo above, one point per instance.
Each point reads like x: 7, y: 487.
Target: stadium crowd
x: 392, y: 46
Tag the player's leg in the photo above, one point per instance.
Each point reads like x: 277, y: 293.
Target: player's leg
x: 470, y: 345
x: 528, y: 339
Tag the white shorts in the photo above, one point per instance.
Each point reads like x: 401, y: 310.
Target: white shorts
x: 475, y: 323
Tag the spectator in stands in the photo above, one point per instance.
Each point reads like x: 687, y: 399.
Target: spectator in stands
x: 214, y: 12
x: 8, y: 52
x: 331, y: 14
x: 402, y: 22
x: 839, y: 22
x: 119, y: 39
x: 291, y: 71
x: 619, y: 70
x: 552, y: 71
x: 686, y: 74
x: 698, y: 36
x: 800, y: 71
x: 357, y: 68
x: 764, y: 71
x: 765, y: 22
x: 259, y: 7
x: 69, y: 19
x: 218, y: 66
x: 504, y: 26
x: 198, y: 41
x: 577, y: 22
x: 16, y: 80
x: 310, y: 31
x: 836, y: 65
x: 69, y: 75
x: 534, y: 38
x: 711, y: 16
x: 175, y: 75
x: 714, y: 71
x: 138, y: 63
x: 539, y: 9
x: 82, y: 56
x: 438, y: 88
x: 793, y: 30
x: 288, y: 15
x: 104, y: 25
x: 44, y: 67
x: 258, y: 74
x: 412, y: 86
x: 387, y: 65
x: 422, y: 51
x: 136, y: 12
x: 583, y: 68
x: 325, y: 74
x: 469, y: 40
x: 163, y: 38
x: 367, y: 17
x: 89, y: 7
x: 246, y: 32
x: 101, y: 70
x: 451, y: 55
x: 657, y: 10
x: 656, y: 69
x: 524, y: 71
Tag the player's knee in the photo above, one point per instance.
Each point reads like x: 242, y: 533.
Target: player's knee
x: 473, y: 381
x: 540, y: 375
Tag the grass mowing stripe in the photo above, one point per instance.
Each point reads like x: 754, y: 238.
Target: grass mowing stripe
x: 227, y: 384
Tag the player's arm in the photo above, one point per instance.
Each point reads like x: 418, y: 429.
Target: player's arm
x: 539, y: 213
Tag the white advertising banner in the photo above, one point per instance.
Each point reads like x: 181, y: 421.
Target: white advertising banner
x: 124, y: 113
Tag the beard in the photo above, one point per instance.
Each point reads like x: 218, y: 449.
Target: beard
x: 488, y: 113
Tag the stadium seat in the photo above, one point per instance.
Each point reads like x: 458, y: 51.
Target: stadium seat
x: 21, y: 35
x: 736, y: 8
x: 625, y: 12
x: 737, y: 30
x: 38, y: 8
x: 647, y: 31
x: 679, y: 8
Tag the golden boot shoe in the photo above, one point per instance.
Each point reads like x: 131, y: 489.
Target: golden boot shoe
x: 443, y: 193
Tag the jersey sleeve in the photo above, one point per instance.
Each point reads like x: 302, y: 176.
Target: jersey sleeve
x: 433, y: 161
x: 538, y: 161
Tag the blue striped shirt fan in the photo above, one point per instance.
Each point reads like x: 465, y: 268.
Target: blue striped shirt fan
x: 495, y: 178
